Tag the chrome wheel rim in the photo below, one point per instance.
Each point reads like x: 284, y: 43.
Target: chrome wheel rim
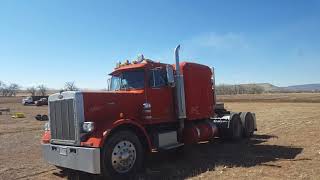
x: 123, y: 156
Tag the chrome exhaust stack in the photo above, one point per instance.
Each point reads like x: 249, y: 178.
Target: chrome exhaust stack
x: 180, y: 93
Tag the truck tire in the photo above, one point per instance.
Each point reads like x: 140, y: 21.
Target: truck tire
x: 38, y: 117
x: 122, y: 155
x: 44, y: 118
x: 247, y: 121
x: 234, y: 132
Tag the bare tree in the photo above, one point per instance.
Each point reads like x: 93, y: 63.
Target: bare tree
x: 70, y: 86
x: 32, y: 90
x: 4, y: 89
x: 10, y: 90
x: 42, y: 89
x: 1, y: 87
x: 13, y: 89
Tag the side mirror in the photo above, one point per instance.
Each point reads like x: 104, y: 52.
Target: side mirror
x: 170, y: 76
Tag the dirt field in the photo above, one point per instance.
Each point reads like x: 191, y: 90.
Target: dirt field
x: 286, y: 146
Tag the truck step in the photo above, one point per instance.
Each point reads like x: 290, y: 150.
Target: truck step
x: 172, y: 146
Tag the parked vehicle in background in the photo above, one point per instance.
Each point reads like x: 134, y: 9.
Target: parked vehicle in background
x: 41, y: 102
x: 32, y: 99
x: 27, y: 100
x: 150, y: 107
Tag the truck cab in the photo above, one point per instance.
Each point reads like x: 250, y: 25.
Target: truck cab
x: 149, y: 107
x: 149, y: 79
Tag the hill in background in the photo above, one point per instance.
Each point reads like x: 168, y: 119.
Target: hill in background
x: 296, y: 88
x: 305, y: 87
x: 259, y: 88
x: 266, y: 86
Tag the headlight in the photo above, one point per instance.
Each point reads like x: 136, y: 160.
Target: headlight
x: 47, y: 126
x: 88, y: 127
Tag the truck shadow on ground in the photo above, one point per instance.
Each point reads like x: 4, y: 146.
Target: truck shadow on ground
x: 198, y: 159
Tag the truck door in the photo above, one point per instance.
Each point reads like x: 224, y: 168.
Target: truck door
x: 160, y: 96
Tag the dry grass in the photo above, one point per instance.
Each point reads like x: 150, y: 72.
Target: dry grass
x: 6, y: 100
x: 287, y: 146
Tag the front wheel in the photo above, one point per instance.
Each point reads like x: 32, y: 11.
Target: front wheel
x: 122, y: 155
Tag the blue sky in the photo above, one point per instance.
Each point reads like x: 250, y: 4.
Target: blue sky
x: 246, y: 41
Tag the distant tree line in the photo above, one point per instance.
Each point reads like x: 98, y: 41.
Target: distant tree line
x: 41, y: 90
x: 224, y: 89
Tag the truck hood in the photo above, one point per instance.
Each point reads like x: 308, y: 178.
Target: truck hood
x: 104, y: 108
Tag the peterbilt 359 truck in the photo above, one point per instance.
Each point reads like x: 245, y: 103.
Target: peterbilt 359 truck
x: 149, y: 107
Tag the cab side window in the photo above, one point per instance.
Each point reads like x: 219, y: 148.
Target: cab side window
x: 158, y: 77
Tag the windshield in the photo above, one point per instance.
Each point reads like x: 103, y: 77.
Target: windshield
x: 127, y: 80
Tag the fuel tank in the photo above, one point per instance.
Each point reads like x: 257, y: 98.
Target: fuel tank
x: 200, y: 131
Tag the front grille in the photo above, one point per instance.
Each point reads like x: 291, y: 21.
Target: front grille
x: 62, y: 120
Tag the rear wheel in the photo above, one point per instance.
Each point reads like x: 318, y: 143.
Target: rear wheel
x: 122, y: 155
x: 234, y: 132
x: 247, y: 121
x: 44, y: 118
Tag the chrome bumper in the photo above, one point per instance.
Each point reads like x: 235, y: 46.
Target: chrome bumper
x: 77, y: 158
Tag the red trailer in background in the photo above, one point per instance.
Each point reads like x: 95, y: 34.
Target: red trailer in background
x: 149, y: 107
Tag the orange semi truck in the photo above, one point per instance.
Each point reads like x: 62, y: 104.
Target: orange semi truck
x: 149, y: 107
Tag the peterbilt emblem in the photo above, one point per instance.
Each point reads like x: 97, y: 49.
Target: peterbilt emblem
x: 60, y: 96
